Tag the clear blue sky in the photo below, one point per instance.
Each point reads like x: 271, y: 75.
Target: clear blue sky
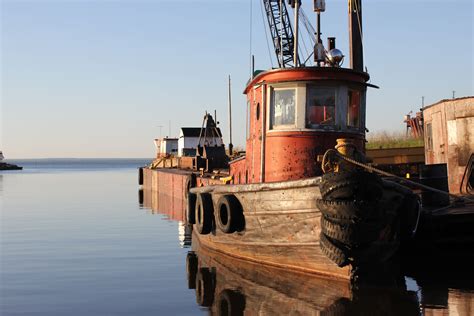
x: 97, y: 78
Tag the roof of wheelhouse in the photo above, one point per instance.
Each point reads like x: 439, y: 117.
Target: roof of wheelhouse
x: 308, y: 74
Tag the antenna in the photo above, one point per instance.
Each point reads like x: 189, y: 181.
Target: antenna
x: 169, y: 128
x: 297, y: 9
x: 231, y: 147
x: 319, y: 54
x: 160, y: 126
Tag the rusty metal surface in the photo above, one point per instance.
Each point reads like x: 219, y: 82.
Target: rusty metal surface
x: 163, y: 191
x: 278, y: 155
x: 292, y: 155
x: 308, y: 74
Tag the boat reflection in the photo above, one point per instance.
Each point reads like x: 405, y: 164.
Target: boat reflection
x: 426, y: 285
x: 445, y: 281
x: 228, y: 286
x: 165, y: 204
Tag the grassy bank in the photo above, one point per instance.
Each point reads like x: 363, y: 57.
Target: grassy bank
x: 392, y: 140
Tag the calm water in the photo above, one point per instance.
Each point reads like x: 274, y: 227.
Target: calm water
x: 75, y: 241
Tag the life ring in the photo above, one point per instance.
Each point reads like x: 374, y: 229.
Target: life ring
x: 204, y: 212
x: 229, y: 214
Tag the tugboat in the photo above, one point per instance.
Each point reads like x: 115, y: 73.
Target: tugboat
x: 292, y: 201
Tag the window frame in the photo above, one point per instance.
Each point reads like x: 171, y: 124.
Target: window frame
x: 361, y: 104
x: 315, y: 126
x: 271, y: 125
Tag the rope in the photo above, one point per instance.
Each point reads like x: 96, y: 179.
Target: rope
x: 387, y: 174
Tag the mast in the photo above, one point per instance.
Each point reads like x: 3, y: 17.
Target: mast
x: 355, y: 35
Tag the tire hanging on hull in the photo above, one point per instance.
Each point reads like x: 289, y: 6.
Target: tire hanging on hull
x: 204, y: 213
x: 229, y: 214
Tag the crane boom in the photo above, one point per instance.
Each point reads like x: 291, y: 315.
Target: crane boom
x: 281, y: 32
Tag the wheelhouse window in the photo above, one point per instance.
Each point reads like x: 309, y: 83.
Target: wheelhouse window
x: 354, y: 98
x: 320, y: 106
x: 283, y: 108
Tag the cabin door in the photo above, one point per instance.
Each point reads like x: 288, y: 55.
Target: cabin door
x: 439, y: 145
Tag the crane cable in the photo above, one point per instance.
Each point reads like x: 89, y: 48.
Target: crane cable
x: 266, y: 34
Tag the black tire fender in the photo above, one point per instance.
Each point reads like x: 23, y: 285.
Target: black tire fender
x: 333, y: 252
x: 140, y: 176
x: 349, y: 210
x: 351, y: 185
x: 191, y: 269
x: 190, y: 208
x: 230, y: 302
x: 189, y: 183
x: 204, y: 213
x: 229, y: 214
x: 352, y: 234
x: 204, y: 287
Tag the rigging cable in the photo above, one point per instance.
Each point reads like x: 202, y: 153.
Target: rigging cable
x: 250, y: 39
x: 304, y: 45
x: 266, y: 34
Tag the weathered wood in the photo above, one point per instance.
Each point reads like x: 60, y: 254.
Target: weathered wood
x: 282, y: 220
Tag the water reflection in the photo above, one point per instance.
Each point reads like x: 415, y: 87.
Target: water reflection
x: 227, y: 286
x: 166, y: 204
x: 424, y: 285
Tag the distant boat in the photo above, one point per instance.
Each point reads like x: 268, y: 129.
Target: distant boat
x: 7, y: 166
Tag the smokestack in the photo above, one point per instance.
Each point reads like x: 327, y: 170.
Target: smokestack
x: 331, y: 43
x: 355, y: 35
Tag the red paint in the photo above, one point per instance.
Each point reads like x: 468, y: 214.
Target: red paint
x: 289, y: 155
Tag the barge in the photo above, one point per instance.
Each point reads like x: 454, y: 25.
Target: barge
x: 292, y: 201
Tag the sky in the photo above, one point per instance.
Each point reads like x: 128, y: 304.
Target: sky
x: 98, y: 78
